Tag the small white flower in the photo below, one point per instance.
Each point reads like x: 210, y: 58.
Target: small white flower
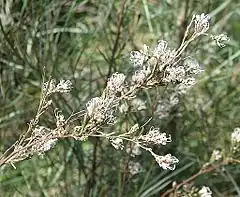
x: 166, y: 162
x: 100, y: 110
x: 205, y: 192
x: 39, y: 131
x: 139, y: 57
x: 236, y: 135
x: 48, y: 145
x: 64, y: 86
x: 159, y: 48
x: 216, y: 155
x: 117, y: 143
x: 192, y: 66
x: 220, y: 39
x: 116, y: 82
x: 49, y: 86
x: 174, y: 74
x: 201, y: 23
x: 155, y: 137
x: 60, y: 119
x: 140, y: 76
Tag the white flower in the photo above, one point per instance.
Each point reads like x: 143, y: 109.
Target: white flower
x: 216, y: 155
x: 49, y: 86
x: 174, y: 74
x: 201, y: 23
x: 220, y: 38
x: 192, y: 66
x: 100, y: 110
x: 236, y: 135
x: 139, y: 57
x: 49, y: 144
x: 205, y: 192
x: 140, y: 76
x: 39, y: 131
x: 117, y: 143
x: 167, y: 58
x: 155, y: 137
x: 159, y: 48
x: 116, y: 82
x: 60, y: 119
x: 166, y: 162
x: 64, y: 86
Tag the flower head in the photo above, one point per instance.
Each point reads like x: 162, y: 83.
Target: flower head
x: 201, y: 23
x: 117, y: 143
x: 160, y: 49
x: 101, y: 110
x: 155, y: 137
x: 64, y: 86
x: 205, y: 192
x: 116, y: 82
x: 236, y: 135
x: 166, y: 162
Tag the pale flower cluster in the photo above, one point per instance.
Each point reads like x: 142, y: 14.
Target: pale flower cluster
x: 201, y: 23
x: 205, y: 192
x: 236, y: 135
x: 235, y: 138
x: 216, y: 155
x: 101, y: 110
x: 154, y: 136
x: 117, y: 143
x: 64, y: 86
x: 115, y: 83
x: 166, y: 162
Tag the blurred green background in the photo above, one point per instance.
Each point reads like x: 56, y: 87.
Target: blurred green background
x: 86, y: 41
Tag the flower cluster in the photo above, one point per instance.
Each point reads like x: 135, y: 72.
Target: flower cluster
x: 201, y: 23
x: 235, y: 138
x: 117, y: 143
x: 101, y: 110
x: 216, y: 155
x: 64, y: 86
x: 115, y: 83
x: 162, y: 65
x: 166, y: 162
x: 205, y: 192
x: 155, y: 137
